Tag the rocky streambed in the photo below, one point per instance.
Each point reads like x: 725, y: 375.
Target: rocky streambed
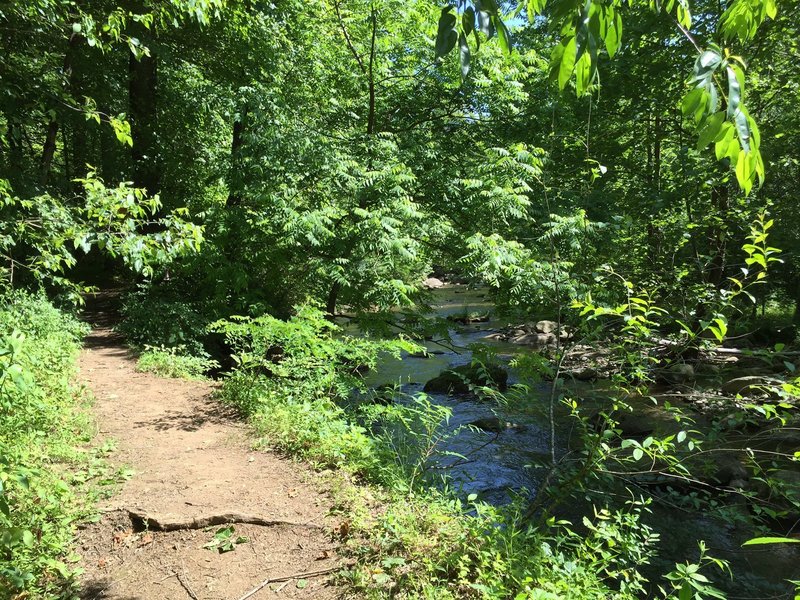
x: 504, y: 446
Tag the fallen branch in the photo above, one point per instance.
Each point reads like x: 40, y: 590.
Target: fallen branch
x: 185, y: 583
x: 145, y: 521
x: 755, y: 352
x: 305, y: 575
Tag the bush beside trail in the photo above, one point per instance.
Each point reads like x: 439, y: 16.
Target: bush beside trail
x: 44, y: 454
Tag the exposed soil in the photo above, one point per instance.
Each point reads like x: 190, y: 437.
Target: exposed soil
x: 192, y: 460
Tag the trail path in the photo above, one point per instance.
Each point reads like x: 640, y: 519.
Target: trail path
x: 190, y: 459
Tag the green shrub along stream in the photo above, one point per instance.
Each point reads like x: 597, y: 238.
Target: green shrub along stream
x: 411, y: 534
x: 45, y: 458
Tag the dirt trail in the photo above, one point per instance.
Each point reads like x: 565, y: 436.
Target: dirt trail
x: 192, y: 460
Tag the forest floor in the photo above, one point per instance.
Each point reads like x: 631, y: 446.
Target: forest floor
x: 190, y: 459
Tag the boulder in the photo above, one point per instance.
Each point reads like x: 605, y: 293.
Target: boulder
x: 635, y: 425
x: 630, y: 425
x: 546, y: 326
x: 585, y: 374
x: 746, y: 384
x: 459, y: 379
x: 678, y: 373
x: 533, y: 339
x: 491, y: 424
x: 496, y: 336
x: 729, y: 468
x: 432, y: 283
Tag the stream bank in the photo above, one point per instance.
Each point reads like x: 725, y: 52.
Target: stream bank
x: 507, y: 445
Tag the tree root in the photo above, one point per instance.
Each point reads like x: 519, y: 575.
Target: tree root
x: 142, y: 520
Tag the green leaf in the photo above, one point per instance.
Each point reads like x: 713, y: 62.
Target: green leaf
x: 686, y: 592
x: 735, y: 89
x: 705, y: 65
x: 567, y: 63
x: 533, y: 8
x: 446, y: 36
x: 464, y: 55
x: 638, y: 453
x: 692, y: 102
x: 613, y: 36
x: 742, y: 128
x: 503, y: 34
x: 770, y: 540
x: 28, y: 539
x: 743, y: 172
x: 468, y: 20
x: 583, y: 70
x: 710, y: 129
x: 485, y: 10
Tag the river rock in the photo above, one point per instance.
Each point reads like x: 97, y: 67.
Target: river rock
x: 469, y: 318
x: 458, y: 380
x: 630, y: 425
x: 585, y: 374
x: 432, y: 283
x: 546, y: 326
x: 533, y: 339
x: 496, y: 336
x: 635, y: 425
x: 495, y: 425
x: 729, y: 468
x: 741, y: 384
x: 678, y: 373
x: 491, y: 424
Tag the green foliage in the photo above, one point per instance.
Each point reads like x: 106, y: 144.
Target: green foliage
x: 225, y: 540
x: 40, y: 236
x: 161, y: 320
x: 174, y: 362
x: 293, y: 376
x: 433, y: 546
x: 40, y: 427
x: 586, y: 29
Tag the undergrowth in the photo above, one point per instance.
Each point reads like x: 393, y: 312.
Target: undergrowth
x: 300, y: 382
x: 174, y: 362
x: 45, y: 458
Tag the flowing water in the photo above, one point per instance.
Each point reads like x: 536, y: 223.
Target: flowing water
x: 497, y: 465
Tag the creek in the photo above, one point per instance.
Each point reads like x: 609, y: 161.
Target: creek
x: 499, y: 464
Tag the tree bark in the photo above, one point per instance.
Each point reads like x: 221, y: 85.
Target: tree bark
x: 333, y: 296
x: 234, y: 195
x: 142, y: 90
x: 718, y: 236
x: 51, y: 137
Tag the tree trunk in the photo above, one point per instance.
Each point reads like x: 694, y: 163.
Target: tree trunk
x: 718, y: 236
x: 333, y: 296
x: 49, y: 148
x: 234, y: 195
x: 796, y: 316
x: 142, y: 90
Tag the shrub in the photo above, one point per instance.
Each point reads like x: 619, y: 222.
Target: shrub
x: 174, y: 362
x: 152, y: 317
x: 293, y: 378
x: 40, y: 425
